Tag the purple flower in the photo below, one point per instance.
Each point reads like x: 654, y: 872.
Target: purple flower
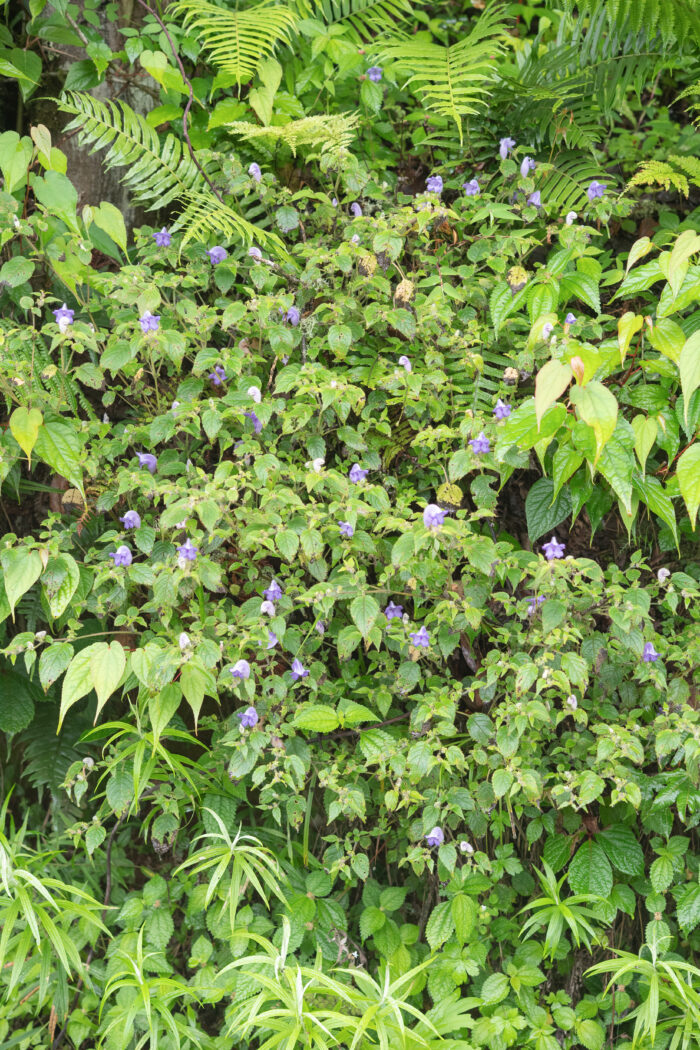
x: 553, y: 550
x: 405, y: 363
x: 334, y: 202
x: 471, y: 188
x: 147, y: 460
x: 357, y: 474
x: 480, y: 444
x: 267, y: 607
x: 596, y: 189
x: 64, y: 317
x: 502, y: 409
x: 547, y: 329
x: 320, y: 627
x: 293, y: 316
x: 241, y: 669
x: 149, y: 322
x: 355, y: 239
x: 535, y: 200
x: 650, y: 655
x: 433, y: 184
x: 218, y: 376
x: 257, y: 423
x: 249, y: 718
x: 162, y: 238
x: 374, y: 73
x: 274, y: 592
x: 346, y: 530
x: 187, y: 551
x: 433, y: 516
x: 255, y: 172
x: 122, y: 557
x: 255, y: 253
x: 217, y: 254
x: 527, y: 166
x: 421, y: 638
x: 570, y: 218
x: 393, y: 612
x: 131, y: 520
x: 298, y: 671
x: 534, y: 604
x: 505, y: 146
x: 570, y: 318
x: 435, y: 838
x: 356, y: 210
x: 272, y: 640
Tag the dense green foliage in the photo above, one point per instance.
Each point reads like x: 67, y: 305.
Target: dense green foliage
x: 350, y: 587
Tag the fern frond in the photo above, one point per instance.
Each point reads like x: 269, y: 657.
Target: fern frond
x: 661, y: 173
x: 676, y: 21
x: 156, y: 173
x: 451, y: 81
x: 366, y: 18
x: 204, y: 216
x: 332, y: 133
x: 564, y: 187
x: 237, y: 41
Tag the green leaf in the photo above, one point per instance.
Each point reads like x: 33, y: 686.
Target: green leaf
x: 21, y: 568
x: 53, y: 662
x: 597, y: 407
x: 364, y: 611
x: 688, y: 910
x: 645, y: 431
x: 94, y: 837
x: 196, y: 681
x: 628, y: 325
x: 668, y: 338
x: 58, y: 195
x: 652, y: 492
x: 440, y: 925
x: 159, y: 927
x: 590, y: 871
x: 622, y: 848
x: 14, y: 272
x: 688, y: 474
x: 689, y: 367
x: 591, y: 1034
x: 120, y: 791
x: 163, y: 706
x: 565, y: 462
x: 316, y: 718
x: 60, y: 582
x: 494, y: 989
x: 58, y: 445
x: 543, y: 510
x: 661, y: 874
x: 584, y: 287
x: 464, y: 913
x: 110, y: 219
x: 287, y: 543
x: 616, y: 464
x: 16, y: 703
x: 77, y: 683
x: 360, y: 865
x: 107, y: 665
x: 552, y: 380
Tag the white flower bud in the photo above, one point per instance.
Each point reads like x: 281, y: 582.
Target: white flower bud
x: 572, y: 702
x: 254, y: 392
x: 466, y: 847
x: 184, y: 641
x: 662, y: 575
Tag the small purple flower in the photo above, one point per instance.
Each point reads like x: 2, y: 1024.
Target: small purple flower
x: 355, y: 239
x: 471, y: 188
x: 433, y: 184
x: 334, y: 202
x: 267, y: 607
x: 535, y: 199
x: 255, y: 172
x: 405, y: 362
x: 122, y: 557
x: 257, y: 423
x: 162, y: 238
x: 298, y: 671
x: 217, y: 254
x: 218, y: 376
x: 505, y: 146
x: 480, y: 444
x: 147, y: 460
x: 650, y: 655
x: 421, y: 638
x: 393, y: 612
x: 131, y: 520
x: 274, y: 592
x: 553, y: 550
x: 572, y: 702
x: 356, y: 210
x: 249, y: 718
x: 527, y: 166
x: 320, y: 627
x: 374, y: 73
x: 255, y: 253
x: 149, y: 322
x: 535, y: 604
x: 272, y: 640
x: 596, y: 189
x: 293, y: 316
x: 547, y: 329
x: 435, y: 838
x: 570, y: 218
x: 187, y: 550
x: 241, y: 669
x: 346, y: 530
x: 433, y: 516
x: 502, y: 409
x: 64, y: 317
x: 357, y: 473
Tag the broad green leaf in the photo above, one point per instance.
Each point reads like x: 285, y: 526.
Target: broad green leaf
x: 689, y: 367
x: 364, y: 611
x: 16, y: 703
x: 616, y: 464
x: 543, y: 510
x: 628, y: 325
x: 590, y: 1033
x: 552, y: 380
x: 196, y: 681
x: 668, y: 338
x: 21, y: 569
x: 688, y: 474
x: 464, y: 914
x: 688, y: 911
x: 622, y: 848
x: 110, y: 219
x: 565, y: 462
x: 652, y: 492
x: 287, y: 543
x: 440, y: 925
x: 590, y: 871
x: 14, y: 272
x: 107, y: 665
x: 60, y: 581
x: 316, y: 718
x: 661, y: 874
x: 58, y: 445
x: 53, y: 662
x: 597, y: 407
x: 639, y: 249
x: 645, y: 431
x: 77, y: 683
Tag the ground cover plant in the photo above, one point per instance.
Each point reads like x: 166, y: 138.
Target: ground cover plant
x: 350, y: 481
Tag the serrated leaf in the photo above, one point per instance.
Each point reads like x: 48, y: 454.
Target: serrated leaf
x: 622, y: 848
x: 688, y: 911
x: 440, y: 925
x: 464, y: 912
x: 590, y: 871
x: 543, y: 510
x: 316, y: 718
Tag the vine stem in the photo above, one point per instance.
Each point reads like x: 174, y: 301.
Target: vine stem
x: 190, y: 100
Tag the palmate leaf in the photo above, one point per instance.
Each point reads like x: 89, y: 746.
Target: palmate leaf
x: 366, y: 18
x: 332, y: 133
x: 237, y: 41
x: 452, y: 81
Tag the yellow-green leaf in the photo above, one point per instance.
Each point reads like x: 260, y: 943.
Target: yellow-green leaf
x: 552, y: 380
x: 688, y: 473
x: 597, y: 406
x: 24, y: 427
